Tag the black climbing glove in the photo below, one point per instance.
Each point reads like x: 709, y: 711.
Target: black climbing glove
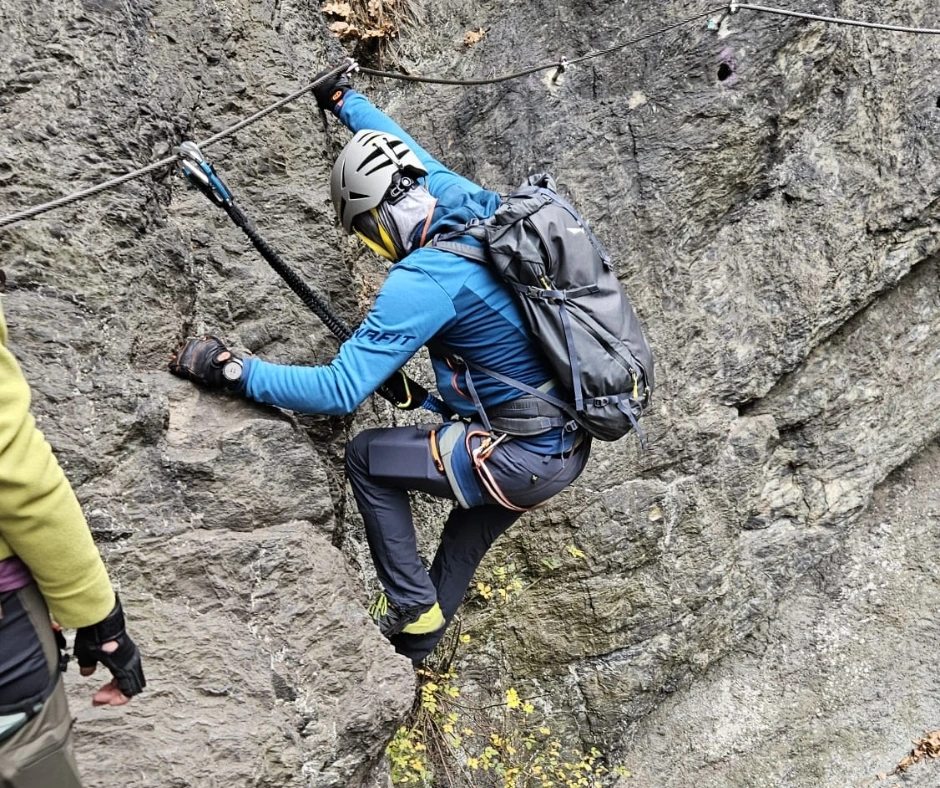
x: 329, y: 93
x: 63, y: 647
x: 123, y: 662
x: 206, y: 360
x: 403, y: 392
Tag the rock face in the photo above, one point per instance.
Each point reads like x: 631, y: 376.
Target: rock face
x: 831, y: 690
x: 768, y: 188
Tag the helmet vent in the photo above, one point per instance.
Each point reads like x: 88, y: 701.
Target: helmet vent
x: 376, y: 153
x: 380, y: 166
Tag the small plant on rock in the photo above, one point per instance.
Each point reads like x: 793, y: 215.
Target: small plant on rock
x: 370, y: 24
x: 450, y: 742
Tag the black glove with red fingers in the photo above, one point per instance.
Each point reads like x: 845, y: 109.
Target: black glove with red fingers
x: 403, y: 392
x: 107, y: 642
x: 207, y: 361
x: 329, y: 93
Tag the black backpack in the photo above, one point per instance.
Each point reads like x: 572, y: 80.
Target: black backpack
x: 573, y: 304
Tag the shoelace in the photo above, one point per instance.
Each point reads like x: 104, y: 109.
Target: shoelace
x: 379, y: 608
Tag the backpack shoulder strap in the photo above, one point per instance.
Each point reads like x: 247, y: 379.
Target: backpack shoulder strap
x: 514, y: 207
x: 475, y: 253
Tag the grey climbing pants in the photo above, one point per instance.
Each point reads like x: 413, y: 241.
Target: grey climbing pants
x: 38, y: 754
x: 383, y: 465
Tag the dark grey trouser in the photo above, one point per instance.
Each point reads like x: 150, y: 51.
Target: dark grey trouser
x: 383, y: 465
x: 39, y: 754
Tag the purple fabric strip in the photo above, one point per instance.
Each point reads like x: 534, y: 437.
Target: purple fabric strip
x: 14, y: 574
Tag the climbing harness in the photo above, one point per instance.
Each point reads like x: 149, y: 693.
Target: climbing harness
x: 559, y: 66
x: 478, y: 457
x: 201, y: 174
x: 14, y: 716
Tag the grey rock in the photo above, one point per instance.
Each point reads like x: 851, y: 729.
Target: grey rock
x: 767, y: 186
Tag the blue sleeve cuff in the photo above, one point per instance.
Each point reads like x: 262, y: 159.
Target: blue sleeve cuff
x: 246, y: 373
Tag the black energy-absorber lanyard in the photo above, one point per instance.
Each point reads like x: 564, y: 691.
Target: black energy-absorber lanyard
x: 201, y: 174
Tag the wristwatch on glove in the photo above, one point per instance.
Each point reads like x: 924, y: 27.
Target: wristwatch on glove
x: 232, y: 371
x: 208, y: 361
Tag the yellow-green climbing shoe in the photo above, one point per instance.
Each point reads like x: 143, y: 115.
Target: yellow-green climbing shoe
x: 413, y: 620
x: 430, y: 620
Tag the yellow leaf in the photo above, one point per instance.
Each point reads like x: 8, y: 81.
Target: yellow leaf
x: 575, y: 552
x: 464, y: 638
x: 512, y: 698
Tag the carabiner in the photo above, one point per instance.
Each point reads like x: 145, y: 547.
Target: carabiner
x: 201, y: 174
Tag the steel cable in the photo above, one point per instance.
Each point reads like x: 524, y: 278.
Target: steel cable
x: 93, y: 190
x: 930, y: 31
x: 561, y: 65
x: 557, y: 64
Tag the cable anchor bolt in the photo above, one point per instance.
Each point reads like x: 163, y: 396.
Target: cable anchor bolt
x: 200, y: 173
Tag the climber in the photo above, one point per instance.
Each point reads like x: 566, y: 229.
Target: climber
x: 395, y: 197
x: 48, y: 562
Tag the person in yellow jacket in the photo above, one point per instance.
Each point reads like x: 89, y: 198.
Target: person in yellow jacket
x: 48, y: 563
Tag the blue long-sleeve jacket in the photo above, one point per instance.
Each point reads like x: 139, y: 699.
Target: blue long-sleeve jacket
x: 431, y: 297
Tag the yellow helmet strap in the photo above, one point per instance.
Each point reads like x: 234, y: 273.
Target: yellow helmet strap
x: 384, y: 245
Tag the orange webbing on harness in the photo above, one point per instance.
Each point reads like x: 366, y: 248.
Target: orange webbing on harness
x: 478, y: 458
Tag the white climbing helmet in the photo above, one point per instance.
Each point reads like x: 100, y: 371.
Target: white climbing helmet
x: 365, y: 170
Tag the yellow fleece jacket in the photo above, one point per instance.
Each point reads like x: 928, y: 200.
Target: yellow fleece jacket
x: 41, y: 521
